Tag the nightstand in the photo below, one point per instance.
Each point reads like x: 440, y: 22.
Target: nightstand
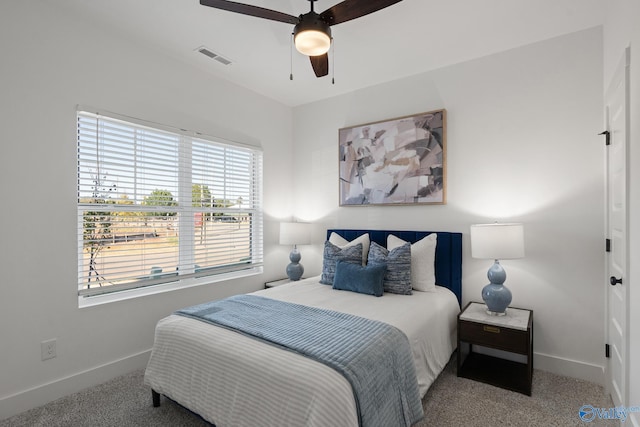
x: 278, y: 282
x: 512, y: 333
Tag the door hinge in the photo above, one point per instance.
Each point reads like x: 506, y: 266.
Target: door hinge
x: 606, y: 351
x: 607, y: 245
x: 607, y: 135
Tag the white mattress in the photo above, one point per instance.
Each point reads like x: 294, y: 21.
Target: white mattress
x: 233, y: 380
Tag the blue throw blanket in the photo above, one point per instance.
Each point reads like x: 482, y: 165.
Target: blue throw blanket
x: 373, y: 356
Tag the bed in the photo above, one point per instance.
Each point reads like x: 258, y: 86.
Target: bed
x: 231, y: 379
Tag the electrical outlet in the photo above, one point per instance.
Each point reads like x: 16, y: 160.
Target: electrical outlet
x: 48, y: 349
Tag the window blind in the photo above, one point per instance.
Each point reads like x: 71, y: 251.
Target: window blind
x: 156, y: 206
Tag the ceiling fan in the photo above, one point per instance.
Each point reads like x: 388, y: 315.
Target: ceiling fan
x: 312, y: 32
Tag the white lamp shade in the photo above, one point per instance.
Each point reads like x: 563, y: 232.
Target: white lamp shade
x: 295, y: 233
x: 497, y: 241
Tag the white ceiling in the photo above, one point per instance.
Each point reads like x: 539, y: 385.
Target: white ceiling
x: 407, y: 38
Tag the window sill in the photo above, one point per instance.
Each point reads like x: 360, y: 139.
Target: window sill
x: 90, y: 301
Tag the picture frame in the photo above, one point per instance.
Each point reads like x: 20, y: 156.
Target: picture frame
x: 401, y: 161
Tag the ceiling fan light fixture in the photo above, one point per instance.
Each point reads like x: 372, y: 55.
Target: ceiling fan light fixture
x: 311, y: 35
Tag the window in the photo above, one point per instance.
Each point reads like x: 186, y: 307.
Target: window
x: 158, y: 206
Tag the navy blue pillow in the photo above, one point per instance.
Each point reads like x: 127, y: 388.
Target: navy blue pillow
x: 358, y: 278
x: 333, y: 254
x: 397, y: 279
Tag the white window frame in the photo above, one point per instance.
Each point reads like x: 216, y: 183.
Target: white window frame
x: 186, y: 278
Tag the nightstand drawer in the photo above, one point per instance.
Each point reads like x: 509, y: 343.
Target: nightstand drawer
x: 498, y: 337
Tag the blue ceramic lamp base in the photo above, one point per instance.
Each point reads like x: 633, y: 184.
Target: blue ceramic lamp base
x: 295, y: 269
x: 496, y: 296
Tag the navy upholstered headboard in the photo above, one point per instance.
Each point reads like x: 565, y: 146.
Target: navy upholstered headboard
x: 448, y: 252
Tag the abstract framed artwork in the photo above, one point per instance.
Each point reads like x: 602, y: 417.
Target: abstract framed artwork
x: 401, y: 161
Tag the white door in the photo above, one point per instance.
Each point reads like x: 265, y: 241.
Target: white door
x: 617, y: 110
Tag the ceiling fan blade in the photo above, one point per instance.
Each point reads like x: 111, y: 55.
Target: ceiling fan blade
x: 320, y: 65
x: 247, y: 9
x: 352, y: 9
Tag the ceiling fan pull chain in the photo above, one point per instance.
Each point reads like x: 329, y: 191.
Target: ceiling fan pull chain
x: 291, y: 57
x: 333, y: 62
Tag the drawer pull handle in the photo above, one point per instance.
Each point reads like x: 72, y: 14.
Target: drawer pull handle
x: 491, y: 329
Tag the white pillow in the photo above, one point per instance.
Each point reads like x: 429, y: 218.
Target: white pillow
x: 423, y: 259
x: 340, y: 242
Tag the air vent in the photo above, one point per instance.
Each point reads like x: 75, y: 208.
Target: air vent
x: 207, y: 52
x: 211, y: 54
x: 222, y: 59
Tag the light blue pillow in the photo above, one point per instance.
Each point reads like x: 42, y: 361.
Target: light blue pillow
x: 397, y: 279
x: 358, y: 278
x: 333, y: 254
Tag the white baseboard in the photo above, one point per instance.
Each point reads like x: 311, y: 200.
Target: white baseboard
x: 569, y: 368
x: 45, y: 393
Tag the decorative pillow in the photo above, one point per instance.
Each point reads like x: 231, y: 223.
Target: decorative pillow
x: 358, y: 278
x: 423, y: 259
x: 341, y: 242
x: 397, y: 278
x: 333, y: 254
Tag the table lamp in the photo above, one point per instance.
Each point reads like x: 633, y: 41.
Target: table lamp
x: 497, y: 241
x: 295, y: 233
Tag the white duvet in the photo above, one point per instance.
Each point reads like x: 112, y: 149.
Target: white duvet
x: 234, y: 381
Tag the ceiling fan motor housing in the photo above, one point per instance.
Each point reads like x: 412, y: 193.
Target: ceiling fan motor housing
x: 312, y: 35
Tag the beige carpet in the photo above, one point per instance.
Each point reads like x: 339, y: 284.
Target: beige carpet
x: 451, y: 401
x: 555, y: 401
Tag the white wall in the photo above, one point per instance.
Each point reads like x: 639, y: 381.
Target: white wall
x: 521, y: 146
x: 621, y: 30
x: 51, y: 62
